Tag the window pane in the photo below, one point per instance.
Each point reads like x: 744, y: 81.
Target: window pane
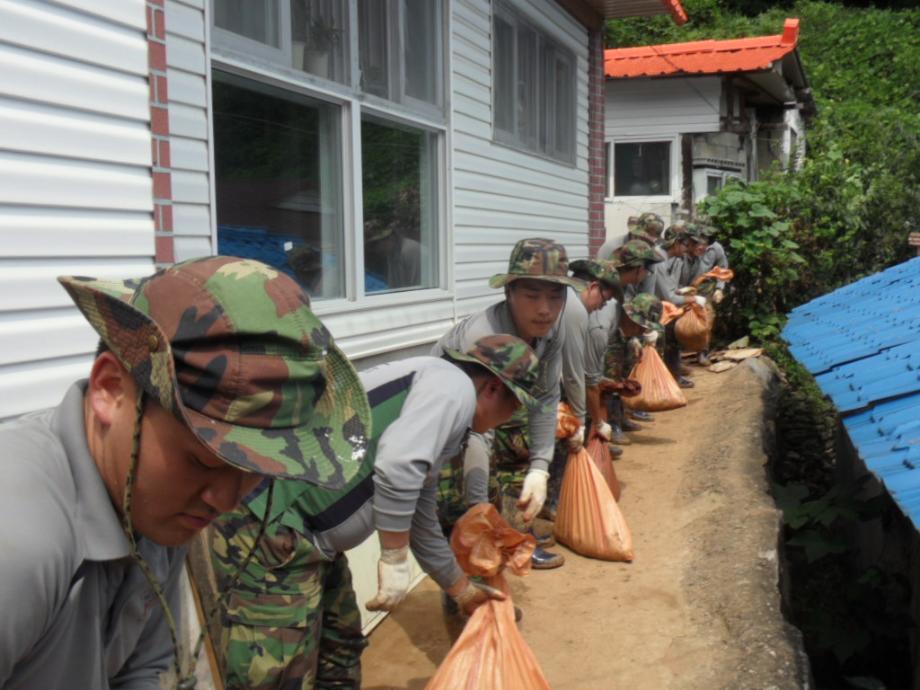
x: 713, y: 184
x: 400, y: 214
x: 277, y: 169
x: 642, y: 169
x: 254, y: 19
x: 421, y: 49
x: 503, y: 81
x: 319, y: 38
x: 374, y: 47
x: 527, y: 80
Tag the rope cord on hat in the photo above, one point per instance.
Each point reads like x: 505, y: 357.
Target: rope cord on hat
x: 183, y: 682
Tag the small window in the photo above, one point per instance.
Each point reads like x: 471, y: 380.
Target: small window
x: 713, y: 184
x: 277, y: 172
x: 399, y: 50
x: 533, y: 91
x: 256, y: 20
x: 642, y: 169
x: 400, y: 219
x: 319, y: 38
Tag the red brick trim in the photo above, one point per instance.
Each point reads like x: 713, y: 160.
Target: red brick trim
x: 597, y: 184
x: 159, y: 133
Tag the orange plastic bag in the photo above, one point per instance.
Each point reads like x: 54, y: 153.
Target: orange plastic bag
x: 566, y: 421
x: 588, y: 519
x: 718, y: 273
x: 669, y: 312
x: 693, y: 328
x: 490, y: 652
x: 659, y: 389
x: 600, y: 453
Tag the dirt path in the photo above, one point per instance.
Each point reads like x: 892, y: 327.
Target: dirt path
x: 699, y: 607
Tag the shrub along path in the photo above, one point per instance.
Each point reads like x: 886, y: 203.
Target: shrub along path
x: 698, y: 609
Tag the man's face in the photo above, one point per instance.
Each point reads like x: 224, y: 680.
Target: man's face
x: 596, y: 295
x: 495, y: 404
x: 679, y: 248
x: 630, y: 328
x: 535, y: 306
x: 180, y: 484
x: 632, y: 276
x: 698, y: 248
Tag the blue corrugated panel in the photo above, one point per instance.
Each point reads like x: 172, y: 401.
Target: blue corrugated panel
x: 862, y: 344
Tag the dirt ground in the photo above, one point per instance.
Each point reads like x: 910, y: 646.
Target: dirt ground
x: 699, y: 608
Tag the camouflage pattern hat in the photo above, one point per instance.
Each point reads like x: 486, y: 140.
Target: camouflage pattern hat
x: 510, y: 359
x: 708, y: 231
x: 650, y: 223
x: 231, y: 348
x: 635, y: 254
x: 537, y: 259
x: 695, y: 231
x: 678, y: 230
x: 599, y: 269
x: 644, y: 309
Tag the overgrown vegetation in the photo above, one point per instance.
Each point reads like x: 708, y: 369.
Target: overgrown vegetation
x: 795, y: 235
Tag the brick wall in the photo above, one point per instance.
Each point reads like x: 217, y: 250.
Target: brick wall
x: 159, y: 132
x: 597, y: 184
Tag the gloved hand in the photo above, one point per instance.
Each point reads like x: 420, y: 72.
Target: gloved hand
x: 650, y: 337
x: 393, y: 579
x: 476, y: 594
x: 605, y: 431
x: 700, y: 300
x: 533, y: 493
x: 635, y: 348
x: 718, y: 296
x: 577, y: 440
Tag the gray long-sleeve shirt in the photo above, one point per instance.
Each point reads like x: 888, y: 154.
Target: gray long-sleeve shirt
x: 77, y: 611
x: 667, y: 280
x: 575, y: 318
x: 433, y: 421
x: 600, y: 324
x: 493, y: 320
x: 712, y: 257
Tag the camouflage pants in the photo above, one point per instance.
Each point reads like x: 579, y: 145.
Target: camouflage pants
x: 292, y: 621
x: 508, y: 463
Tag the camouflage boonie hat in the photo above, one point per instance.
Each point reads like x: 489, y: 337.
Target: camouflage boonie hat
x: 644, y: 309
x: 695, y: 231
x: 650, y: 223
x: 510, y: 359
x: 678, y: 230
x: 708, y: 231
x: 231, y: 348
x: 635, y: 254
x: 537, y: 259
x: 599, y: 269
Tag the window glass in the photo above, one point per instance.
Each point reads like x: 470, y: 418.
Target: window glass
x: 420, y: 49
x: 533, y: 87
x: 254, y: 19
x: 277, y: 171
x: 400, y: 218
x: 374, y: 47
x: 713, y: 184
x: 319, y: 38
x: 642, y: 169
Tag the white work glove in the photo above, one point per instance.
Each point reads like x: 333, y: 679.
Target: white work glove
x: 700, y: 300
x: 393, y: 579
x: 605, y: 431
x: 533, y: 493
x: 635, y: 348
x: 650, y: 337
x: 718, y: 296
x: 577, y: 440
x: 476, y: 594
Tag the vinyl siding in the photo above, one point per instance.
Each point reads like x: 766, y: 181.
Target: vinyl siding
x: 75, y: 186
x: 661, y: 107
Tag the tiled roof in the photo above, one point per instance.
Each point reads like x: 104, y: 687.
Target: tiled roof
x: 702, y: 57
x: 862, y: 343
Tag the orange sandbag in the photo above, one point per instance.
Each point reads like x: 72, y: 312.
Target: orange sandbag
x: 692, y: 329
x: 566, y: 421
x: 600, y: 453
x: 490, y: 653
x: 588, y: 519
x: 717, y: 274
x: 659, y: 389
x: 669, y: 312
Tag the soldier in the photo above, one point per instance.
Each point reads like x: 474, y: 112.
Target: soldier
x: 646, y: 228
x: 523, y: 448
x: 188, y: 402
x: 641, y: 319
x: 713, y: 255
x: 293, y: 621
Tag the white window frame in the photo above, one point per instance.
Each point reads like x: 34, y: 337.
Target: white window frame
x: 247, y: 58
x: 515, y: 16
x: 675, y: 193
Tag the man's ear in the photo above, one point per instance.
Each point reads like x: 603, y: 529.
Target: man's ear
x: 110, y: 386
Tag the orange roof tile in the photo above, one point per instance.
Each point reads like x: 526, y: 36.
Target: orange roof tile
x: 702, y: 57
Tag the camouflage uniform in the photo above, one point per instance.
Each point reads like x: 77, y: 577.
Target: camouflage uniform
x: 645, y: 310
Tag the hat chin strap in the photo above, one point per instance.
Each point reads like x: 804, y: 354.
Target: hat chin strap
x: 189, y: 680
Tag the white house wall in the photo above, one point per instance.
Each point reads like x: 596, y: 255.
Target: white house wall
x: 501, y: 195
x: 661, y: 107
x: 75, y: 186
